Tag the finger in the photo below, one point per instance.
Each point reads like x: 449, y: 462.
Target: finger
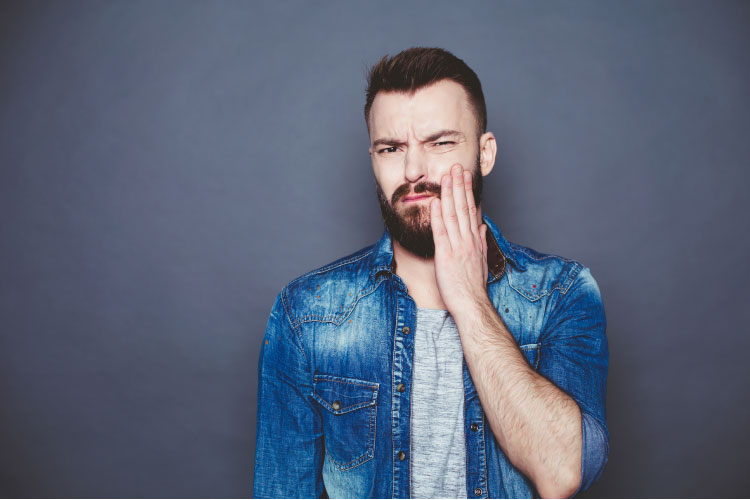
x: 459, y: 200
x: 448, y: 210
x: 439, y: 233
x: 473, y: 222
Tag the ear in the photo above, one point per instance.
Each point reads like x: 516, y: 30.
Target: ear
x: 487, y: 152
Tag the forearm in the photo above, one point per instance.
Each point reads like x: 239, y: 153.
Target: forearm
x: 537, y: 425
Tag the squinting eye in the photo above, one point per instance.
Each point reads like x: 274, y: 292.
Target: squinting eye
x: 391, y: 149
x: 444, y: 143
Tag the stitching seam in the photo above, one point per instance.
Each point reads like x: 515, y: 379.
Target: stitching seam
x: 292, y: 324
x: 545, y: 257
x: 332, y: 318
x: 334, y: 265
x: 563, y: 287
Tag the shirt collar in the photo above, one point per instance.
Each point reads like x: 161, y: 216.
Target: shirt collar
x: 499, y: 252
x: 499, y: 249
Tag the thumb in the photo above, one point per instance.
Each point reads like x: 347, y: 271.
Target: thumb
x: 483, y: 233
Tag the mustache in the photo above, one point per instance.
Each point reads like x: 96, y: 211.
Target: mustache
x: 422, y: 187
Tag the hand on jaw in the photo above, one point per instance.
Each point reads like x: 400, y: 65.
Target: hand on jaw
x: 460, y: 244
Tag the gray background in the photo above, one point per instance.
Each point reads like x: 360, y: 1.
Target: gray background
x: 166, y: 167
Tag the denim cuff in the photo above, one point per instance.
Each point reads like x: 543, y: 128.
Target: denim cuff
x: 594, y: 453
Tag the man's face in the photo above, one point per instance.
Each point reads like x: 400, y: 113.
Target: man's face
x: 414, y: 141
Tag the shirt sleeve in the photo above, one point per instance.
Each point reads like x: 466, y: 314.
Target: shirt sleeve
x: 574, y: 356
x: 289, y: 435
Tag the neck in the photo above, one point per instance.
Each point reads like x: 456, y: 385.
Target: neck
x: 418, y: 275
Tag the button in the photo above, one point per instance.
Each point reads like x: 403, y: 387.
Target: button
x: 474, y: 427
x: 478, y: 492
x: 405, y: 330
x: 401, y: 455
x: 400, y: 387
x: 336, y: 405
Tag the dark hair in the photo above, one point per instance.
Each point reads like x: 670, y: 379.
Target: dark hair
x: 418, y: 67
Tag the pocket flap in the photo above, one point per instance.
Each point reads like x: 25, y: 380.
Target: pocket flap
x: 342, y: 395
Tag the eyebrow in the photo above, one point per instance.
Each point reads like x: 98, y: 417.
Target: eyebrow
x: 433, y: 137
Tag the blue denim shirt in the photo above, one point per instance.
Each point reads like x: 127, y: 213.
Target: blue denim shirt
x: 331, y: 418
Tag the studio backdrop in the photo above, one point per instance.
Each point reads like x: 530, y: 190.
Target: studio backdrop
x: 167, y: 167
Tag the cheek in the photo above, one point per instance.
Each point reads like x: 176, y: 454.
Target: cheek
x: 387, y: 180
x: 442, y: 163
x: 441, y: 170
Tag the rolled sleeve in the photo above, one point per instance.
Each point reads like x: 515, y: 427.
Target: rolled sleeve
x: 595, y: 451
x: 574, y: 356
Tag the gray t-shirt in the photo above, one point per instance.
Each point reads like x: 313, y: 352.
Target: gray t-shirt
x: 438, y: 445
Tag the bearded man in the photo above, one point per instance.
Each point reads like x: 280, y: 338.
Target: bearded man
x: 444, y: 360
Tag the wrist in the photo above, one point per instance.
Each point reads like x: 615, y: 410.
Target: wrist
x: 473, y: 311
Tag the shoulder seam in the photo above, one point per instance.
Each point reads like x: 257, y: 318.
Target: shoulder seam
x: 287, y: 313
x: 331, y: 266
x: 523, y: 249
x: 572, y: 275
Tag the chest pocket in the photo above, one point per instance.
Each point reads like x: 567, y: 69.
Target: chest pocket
x: 349, y: 413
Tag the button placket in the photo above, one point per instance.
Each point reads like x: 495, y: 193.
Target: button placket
x: 401, y: 375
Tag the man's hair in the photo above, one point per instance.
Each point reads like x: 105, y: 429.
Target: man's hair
x: 418, y: 67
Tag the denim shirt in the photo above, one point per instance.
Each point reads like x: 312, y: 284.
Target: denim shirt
x: 335, y: 370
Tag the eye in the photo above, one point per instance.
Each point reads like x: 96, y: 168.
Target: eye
x: 444, y: 143
x: 391, y: 149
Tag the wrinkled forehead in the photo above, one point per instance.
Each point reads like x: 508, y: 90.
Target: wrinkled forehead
x: 443, y: 105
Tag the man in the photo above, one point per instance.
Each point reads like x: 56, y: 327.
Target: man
x: 443, y: 361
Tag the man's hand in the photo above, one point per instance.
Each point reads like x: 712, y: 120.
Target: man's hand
x: 460, y: 244
x: 537, y: 425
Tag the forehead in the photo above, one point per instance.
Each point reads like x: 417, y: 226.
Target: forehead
x: 440, y: 106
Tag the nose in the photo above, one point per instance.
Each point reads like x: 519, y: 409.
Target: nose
x: 415, y: 168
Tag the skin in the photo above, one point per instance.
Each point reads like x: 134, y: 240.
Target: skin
x: 537, y: 425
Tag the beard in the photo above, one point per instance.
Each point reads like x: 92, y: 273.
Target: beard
x: 411, y: 227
